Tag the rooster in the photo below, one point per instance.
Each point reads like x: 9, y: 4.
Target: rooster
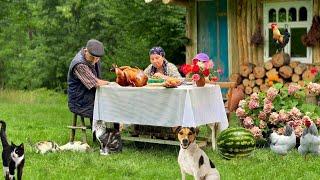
x: 281, y: 144
x: 280, y: 40
x: 309, y: 141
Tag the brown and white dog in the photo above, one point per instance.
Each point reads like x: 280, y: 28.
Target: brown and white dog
x: 192, y: 159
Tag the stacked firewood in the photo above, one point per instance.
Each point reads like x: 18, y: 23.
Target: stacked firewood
x: 279, y: 69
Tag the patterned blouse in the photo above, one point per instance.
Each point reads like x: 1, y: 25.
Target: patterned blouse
x: 169, y: 69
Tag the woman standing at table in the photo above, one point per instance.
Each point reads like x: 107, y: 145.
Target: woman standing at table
x: 160, y: 67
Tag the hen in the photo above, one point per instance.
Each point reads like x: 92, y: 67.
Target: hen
x: 309, y: 141
x: 280, y: 40
x: 281, y: 144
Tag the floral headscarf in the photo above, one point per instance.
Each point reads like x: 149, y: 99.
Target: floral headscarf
x: 158, y: 50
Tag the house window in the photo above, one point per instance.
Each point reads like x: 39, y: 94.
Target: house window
x: 296, y: 16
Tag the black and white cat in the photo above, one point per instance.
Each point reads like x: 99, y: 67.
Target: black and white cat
x: 109, y: 138
x: 12, y: 156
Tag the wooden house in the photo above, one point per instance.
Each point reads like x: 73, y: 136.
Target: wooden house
x: 224, y: 28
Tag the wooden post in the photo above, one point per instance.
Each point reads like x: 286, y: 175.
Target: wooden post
x: 239, y: 32
x: 249, y: 29
x: 244, y: 30
x: 254, y: 28
x: 73, y: 131
x: 260, y: 18
x: 191, y: 30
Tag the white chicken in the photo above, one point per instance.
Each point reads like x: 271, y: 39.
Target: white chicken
x: 309, y: 141
x: 281, y: 144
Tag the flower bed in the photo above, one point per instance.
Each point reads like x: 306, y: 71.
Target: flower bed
x: 270, y: 111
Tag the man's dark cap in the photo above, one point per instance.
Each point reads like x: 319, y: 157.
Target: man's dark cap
x: 95, y: 47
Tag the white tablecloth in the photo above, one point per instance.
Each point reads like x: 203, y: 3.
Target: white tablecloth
x: 186, y: 106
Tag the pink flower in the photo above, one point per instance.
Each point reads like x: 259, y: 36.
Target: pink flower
x: 253, y: 104
x: 240, y: 112
x: 293, y: 88
x: 254, y: 96
x: 283, y: 116
x: 267, y: 108
x: 196, y: 77
x: 295, y: 114
x: 208, y: 64
x: 262, y: 115
x: 272, y: 93
x: 248, y: 122
x: 256, y: 131
x: 262, y: 124
x: 314, y: 88
x: 219, y: 70
x: 273, y: 119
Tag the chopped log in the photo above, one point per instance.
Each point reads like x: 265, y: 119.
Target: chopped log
x: 280, y: 59
x: 256, y: 89
x: 268, y: 65
x: 295, y: 77
x: 245, y: 70
x: 259, y: 72
x: 251, y: 76
x: 246, y: 82
x: 248, y: 90
x: 285, y: 72
x: 264, y: 88
x: 259, y: 81
x: 294, y: 64
x: 252, y: 83
x: 300, y: 69
x: 307, y: 75
x: 236, y: 77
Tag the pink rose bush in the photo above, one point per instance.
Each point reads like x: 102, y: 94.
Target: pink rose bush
x: 269, y: 111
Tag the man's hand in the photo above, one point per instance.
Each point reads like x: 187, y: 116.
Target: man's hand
x: 102, y: 82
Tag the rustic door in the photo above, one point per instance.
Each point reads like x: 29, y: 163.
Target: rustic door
x: 212, y: 32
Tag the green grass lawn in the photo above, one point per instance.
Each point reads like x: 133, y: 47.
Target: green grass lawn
x: 43, y: 115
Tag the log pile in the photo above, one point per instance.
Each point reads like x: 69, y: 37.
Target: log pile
x: 252, y: 78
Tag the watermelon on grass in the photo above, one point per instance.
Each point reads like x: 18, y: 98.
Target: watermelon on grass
x: 235, y: 142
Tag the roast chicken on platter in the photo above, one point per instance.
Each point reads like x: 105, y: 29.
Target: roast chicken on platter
x: 128, y: 76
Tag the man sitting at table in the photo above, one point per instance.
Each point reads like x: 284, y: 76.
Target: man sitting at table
x: 84, y: 77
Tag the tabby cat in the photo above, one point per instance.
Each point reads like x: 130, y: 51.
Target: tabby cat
x: 12, y: 156
x: 109, y: 138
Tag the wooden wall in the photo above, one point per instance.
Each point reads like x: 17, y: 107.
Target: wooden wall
x: 243, y: 16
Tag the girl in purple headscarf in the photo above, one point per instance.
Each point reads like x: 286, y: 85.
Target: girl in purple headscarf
x: 159, y: 66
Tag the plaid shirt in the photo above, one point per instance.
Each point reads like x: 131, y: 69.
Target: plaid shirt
x: 85, y: 75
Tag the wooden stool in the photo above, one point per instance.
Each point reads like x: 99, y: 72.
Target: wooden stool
x: 83, y: 128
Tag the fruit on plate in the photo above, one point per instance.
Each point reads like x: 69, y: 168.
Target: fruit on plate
x: 235, y: 142
x: 172, y: 82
